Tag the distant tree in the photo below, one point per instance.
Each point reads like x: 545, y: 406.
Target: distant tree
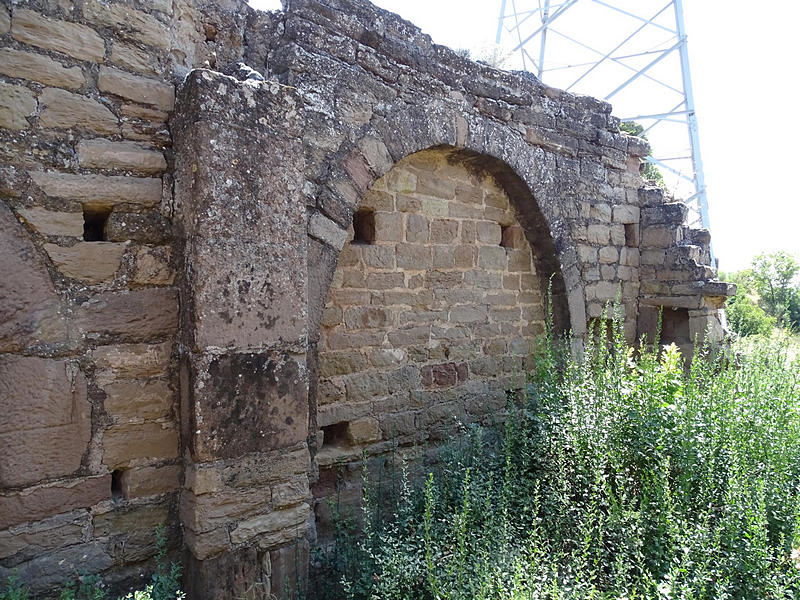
x: 650, y: 170
x: 745, y: 316
x: 773, y: 277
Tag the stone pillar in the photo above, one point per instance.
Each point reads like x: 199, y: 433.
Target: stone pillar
x: 241, y: 220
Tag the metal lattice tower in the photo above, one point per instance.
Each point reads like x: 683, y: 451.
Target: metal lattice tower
x: 632, y: 53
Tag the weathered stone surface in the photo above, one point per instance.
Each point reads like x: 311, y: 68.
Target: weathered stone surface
x: 16, y: 103
x: 29, y: 305
x: 153, y: 266
x: 248, y: 402
x: 79, y: 41
x: 131, y: 57
x: 36, y: 67
x: 27, y: 541
x: 130, y: 23
x: 105, y: 154
x: 131, y: 360
x: 150, y: 481
x: 128, y: 442
x: 100, y: 189
x: 5, y: 20
x: 45, y: 423
x: 92, y: 262
x: 136, y: 315
x: 49, y: 222
x: 60, y: 109
x: 131, y: 400
x: 136, y: 88
x: 40, y: 502
x: 272, y: 529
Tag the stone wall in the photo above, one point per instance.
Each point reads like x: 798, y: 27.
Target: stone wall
x: 185, y: 315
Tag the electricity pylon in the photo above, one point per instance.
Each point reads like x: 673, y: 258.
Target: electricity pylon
x: 631, y: 52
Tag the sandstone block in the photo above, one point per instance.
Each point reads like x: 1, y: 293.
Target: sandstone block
x: 467, y: 314
x: 290, y: 493
x: 326, y: 230
x: 341, y: 363
x: 608, y: 254
x: 598, y: 234
x: 129, y: 400
x: 60, y: 109
x: 152, y: 266
x: 379, y: 257
x: 16, y: 103
x: 135, y: 315
x: 407, y: 204
x: 105, y: 154
x: 61, y: 497
x: 388, y: 227
x: 130, y: 360
x: 131, y: 57
x: 5, y: 20
x: 384, y: 281
x: 444, y: 375
x: 365, y: 386
x: 273, y: 529
x: 600, y: 212
x: 29, y: 305
x: 443, y: 231
x: 150, y: 481
x: 417, y: 229
x: 626, y: 213
x: 435, y: 207
x: 401, y: 180
x: 36, y: 67
x: 92, y: 262
x: 433, y: 184
x: 127, y: 442
x: 493, y: 258
x: 366, y: 317
x: 208, y: 543
x: 45, y: 424
x: 413, y: 256
x: 78, y: 41
x: 658, y: 237
x: 30, y: 540
x: 207, y: 512
x: 489, y: 232
x: 50, y: 222
x: 443, y: 257
x: 363, y: 431
x: 139, y: 89
x: 100, y: 189
x: 129, y: 23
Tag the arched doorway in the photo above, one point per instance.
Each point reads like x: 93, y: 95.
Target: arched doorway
x: 437, y: 299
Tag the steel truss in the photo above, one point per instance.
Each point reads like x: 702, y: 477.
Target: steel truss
x: 633, y: 52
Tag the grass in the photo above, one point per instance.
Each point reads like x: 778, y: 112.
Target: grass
x: 620, y: 475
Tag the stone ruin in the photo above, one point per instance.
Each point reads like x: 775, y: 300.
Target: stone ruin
x: 240, y: 248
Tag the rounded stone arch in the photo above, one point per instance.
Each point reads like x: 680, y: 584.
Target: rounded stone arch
x: 478, y: 142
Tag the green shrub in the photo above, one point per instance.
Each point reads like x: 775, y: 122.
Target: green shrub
x: 620, y: 475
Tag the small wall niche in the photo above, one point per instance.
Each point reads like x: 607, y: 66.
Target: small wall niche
x: 335, y: 435
x: 116, y: 485
x: 95, y: 219
x: 632, y: 235
x: 364, y: 227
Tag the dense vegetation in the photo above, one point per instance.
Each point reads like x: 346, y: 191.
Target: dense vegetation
x: 617, y: 476
x: 768, y: 295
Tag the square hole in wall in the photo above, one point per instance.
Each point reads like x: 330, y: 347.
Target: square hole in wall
x: 335, y: 435
x: 364, y: 227
x: 95, y: 219
x: 632, y: 235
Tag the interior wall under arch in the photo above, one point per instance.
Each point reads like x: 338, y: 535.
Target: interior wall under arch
x: 430, y: 319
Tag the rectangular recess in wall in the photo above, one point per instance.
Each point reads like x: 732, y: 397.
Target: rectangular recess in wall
x: 364, y: 227
x: 95, y: 219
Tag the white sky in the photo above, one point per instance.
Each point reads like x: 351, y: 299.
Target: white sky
x: 744, y: 62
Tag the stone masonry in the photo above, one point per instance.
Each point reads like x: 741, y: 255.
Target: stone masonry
x: 240, y: 248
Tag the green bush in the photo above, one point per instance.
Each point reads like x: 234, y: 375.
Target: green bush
x: 619, y: 475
